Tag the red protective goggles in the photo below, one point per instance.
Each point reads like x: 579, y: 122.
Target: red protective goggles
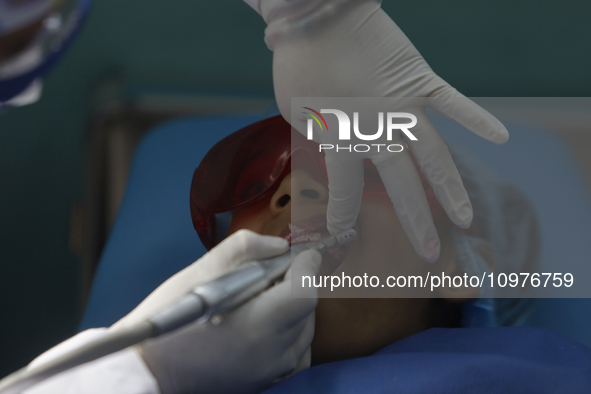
x: 249, y: 165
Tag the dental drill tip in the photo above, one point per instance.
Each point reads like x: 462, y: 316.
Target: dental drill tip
x: 327, y: 243
x: 346, y: 236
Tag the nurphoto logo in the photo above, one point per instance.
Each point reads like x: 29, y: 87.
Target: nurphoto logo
x: 344, y: 131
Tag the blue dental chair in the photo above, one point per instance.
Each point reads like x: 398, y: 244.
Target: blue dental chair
x: 153, y: 236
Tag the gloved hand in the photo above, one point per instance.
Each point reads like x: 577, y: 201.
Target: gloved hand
x: 351, y: 48
x: 240, y: 247
x: 255, y: 345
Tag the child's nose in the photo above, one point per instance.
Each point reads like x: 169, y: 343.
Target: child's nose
x: 298, y: 188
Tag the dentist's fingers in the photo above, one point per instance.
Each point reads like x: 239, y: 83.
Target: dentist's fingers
x: 408, y: 197
x: 451, y: 103
x: 306, y: 359
x: 436, y: 162
x: 298, y: 355
x: 281, y: 308
x: 345, y: 188
x: 244, y: 246
x: 239, y: 248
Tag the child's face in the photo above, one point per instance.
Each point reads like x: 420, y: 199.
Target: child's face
x: 346, y: 327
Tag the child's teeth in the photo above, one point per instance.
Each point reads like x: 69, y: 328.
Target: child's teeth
x: 306, y: 237
x: 314, y: 229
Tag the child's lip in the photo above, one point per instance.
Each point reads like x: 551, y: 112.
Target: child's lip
x: 312, y: 229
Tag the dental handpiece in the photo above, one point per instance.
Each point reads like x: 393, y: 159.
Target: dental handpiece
x: 209, y: 301
x: 220, y: 296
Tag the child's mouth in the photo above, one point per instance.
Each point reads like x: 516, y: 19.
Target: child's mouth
x: 314, y: 229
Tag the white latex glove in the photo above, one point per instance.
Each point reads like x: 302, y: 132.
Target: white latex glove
x: 257, y: 344
x: 123, y: 372
x: 352, y: 48
x: 265, y: 339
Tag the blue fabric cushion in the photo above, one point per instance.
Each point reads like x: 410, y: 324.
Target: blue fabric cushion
x: 462, y: 360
